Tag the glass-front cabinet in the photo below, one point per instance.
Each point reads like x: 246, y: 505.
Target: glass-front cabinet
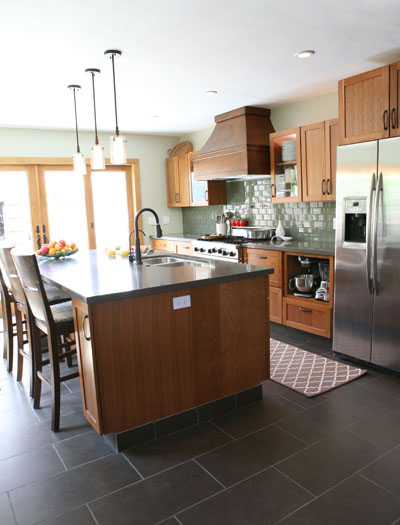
x: 285, y: 155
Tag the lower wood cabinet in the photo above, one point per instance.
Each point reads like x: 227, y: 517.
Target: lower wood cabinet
x: 275, y: 305
x: 313, y: 318
x: 269, y: 258
x: 162, y: 245
x: 184, y: 248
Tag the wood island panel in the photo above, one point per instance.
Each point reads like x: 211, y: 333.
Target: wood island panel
x: 151, y: 361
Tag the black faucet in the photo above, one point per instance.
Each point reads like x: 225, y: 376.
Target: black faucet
x: 138, y: 255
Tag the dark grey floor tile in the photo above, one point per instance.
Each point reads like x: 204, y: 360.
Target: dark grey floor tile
x: 304, y: 429
x: 335, y: 415
x: 17, y: 417
x: 79, y: 516
x: 176, y: 448
x: 69, y: 403
x: 6, y: 513
x: 46, y: 498
x: 13, y: 400
x: 386, y: 471
x: 81, y: 449
x: 330, y: 461
x: 264, y: 498
x: 169, y: 521
x: 304, y: 401
x: 17, y: 442
x: 254, y: 417
x: 354, y: 502
x: 70, y: 425
x: 240, y: 459
x: 376, y: 395
x: 176, y: 422
x: 272, y: 388
x: 157, y: 497
x: 73, y: 385
x: 31, y: 466
x: 382, y: 428
x: 8, y: 385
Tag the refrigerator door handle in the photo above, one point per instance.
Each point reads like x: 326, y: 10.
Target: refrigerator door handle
x: 375, y: 234
x: 368, y: 244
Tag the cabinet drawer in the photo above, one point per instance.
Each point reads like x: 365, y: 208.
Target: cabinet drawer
x: 275, y: 305
x: 184, y: 248
x: 163, y: 245
x: 302, y: 315
x: 269, y: 258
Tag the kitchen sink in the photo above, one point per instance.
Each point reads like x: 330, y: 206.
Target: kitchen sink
x: 172, y: 262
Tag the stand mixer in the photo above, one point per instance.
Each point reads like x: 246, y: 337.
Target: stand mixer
x: 316, y: 271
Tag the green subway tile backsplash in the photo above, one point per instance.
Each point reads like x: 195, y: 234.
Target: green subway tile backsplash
x: 252, y: 200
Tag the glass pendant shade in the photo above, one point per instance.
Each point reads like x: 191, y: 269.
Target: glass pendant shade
x: 117, y: 149
x: 97, y: 157
x: 79, y: 163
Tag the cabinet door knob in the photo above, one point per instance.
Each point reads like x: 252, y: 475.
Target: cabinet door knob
x: 392, y: 116
x: 384, y: 116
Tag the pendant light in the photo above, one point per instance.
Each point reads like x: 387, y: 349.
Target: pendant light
x: 78, y: 158
x: 117, y: 142
x: 96, y: 150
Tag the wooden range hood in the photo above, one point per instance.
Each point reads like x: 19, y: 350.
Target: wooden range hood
x: 238, y: 146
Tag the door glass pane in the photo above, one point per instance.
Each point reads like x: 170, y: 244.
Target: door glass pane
x: 66, y: 207
x: 15, y: 216
x: 110, y: 209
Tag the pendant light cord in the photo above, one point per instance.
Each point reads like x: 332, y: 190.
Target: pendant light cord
x: 94, y: 108
x: 76, y: 124
x: 115, y: 97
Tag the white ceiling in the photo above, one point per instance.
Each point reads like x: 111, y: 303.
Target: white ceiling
x: 175, y: 50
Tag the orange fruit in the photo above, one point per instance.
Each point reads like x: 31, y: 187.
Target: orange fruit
x: 73, y: 245
x: 52, y: 252
x: 38, y: 252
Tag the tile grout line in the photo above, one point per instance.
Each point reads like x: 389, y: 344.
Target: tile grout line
x: 11, y: 507
x: 222, y: 430
x: 209, y: 473
x: 295, y: 482
x: 91, y: 513
x: 59, y: 456
x: 132, y: 465
x: 376, y: 483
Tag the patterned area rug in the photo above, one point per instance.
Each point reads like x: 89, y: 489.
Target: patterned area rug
x: 307, y: 373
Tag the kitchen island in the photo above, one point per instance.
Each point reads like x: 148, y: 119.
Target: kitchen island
x: 157, y: 340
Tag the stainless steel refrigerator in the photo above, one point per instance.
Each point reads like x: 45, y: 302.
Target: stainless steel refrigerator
x: 367, y: 252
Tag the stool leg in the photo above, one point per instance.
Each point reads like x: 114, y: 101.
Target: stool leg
x: 55, y: 382
x: 20, y: 343
x: 9, y: 335
x: 36, y: 349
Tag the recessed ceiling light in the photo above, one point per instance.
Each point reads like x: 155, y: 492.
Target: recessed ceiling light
x: 211, y: 92
x: 155, y: 116
x: 305, y: 54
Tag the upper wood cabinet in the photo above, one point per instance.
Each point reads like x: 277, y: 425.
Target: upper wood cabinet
x: 369, y: 105
x: 183, y: 191
x: 177, y: 170
x: 285, y: 154
x: 307, y: 170
x: 318, y: 160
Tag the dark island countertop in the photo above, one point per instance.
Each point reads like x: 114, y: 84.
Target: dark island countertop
x: 94, y: 277
x: 312, y: 247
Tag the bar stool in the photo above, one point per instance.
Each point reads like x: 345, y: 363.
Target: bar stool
x: 13, y: 293
x: 56, y: 321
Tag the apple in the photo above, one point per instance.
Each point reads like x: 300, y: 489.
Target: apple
x: 44, y: 250
x: 62, y: 243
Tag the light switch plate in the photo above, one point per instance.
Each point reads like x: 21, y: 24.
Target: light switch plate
x: 165, y: 219
x: 334, y: 223
x: 181, y: 302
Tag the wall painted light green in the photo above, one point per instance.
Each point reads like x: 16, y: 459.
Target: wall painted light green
x: 151, y: 150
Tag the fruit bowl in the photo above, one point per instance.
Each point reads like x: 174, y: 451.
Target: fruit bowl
x: 57, y: 250
x: 58, y: 255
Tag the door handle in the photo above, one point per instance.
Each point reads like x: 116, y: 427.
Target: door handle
x: 322, y: 186
x: 392, y: 117
x: 368, y: 234
x: 83, y: 327
x: 262, y: 257
x: 273, y: 190
x: 327, y: 186
x: 384, y: 118
x: 375, y: 241
x: 38, y: 236
x: 45, y: 240
x: 305, y: 310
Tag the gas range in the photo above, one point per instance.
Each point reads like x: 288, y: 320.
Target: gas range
x: 219, y: 247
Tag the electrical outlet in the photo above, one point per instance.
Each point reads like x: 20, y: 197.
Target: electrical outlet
x: 165, y: 220
x: 334, y: 223
x: 181, y: 302
x: 152, y: 221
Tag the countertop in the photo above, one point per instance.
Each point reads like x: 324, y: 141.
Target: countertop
x: 313, y: 247
x: 94, y: 277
